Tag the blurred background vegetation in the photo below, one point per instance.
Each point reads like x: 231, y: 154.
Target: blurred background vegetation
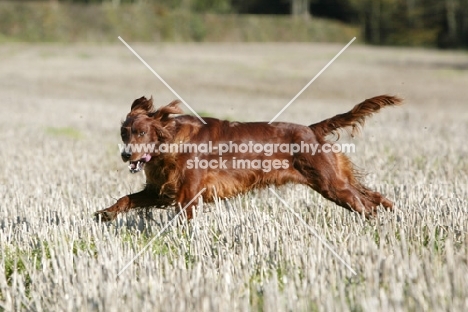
x: 433, y: 23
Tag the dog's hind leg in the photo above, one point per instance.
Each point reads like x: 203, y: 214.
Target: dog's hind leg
x: 344, y: 195
x: 377, y: 198
x: 332, y: 176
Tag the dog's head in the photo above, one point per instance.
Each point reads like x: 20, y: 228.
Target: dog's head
x: 144, y: 129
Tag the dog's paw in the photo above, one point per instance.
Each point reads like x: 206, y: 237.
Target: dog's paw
x: 105, y: 215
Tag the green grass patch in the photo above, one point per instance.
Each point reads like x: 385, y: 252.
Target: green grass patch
x: 205, y: 114
x: 67, y: 132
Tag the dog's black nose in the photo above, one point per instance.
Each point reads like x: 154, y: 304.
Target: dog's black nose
x: 126, y: 155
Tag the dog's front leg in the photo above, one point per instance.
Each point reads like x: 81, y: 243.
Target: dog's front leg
x: 145, y: 198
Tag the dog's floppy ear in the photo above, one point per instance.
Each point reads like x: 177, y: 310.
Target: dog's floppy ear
x: 171, y: 108
x: 143, y: 104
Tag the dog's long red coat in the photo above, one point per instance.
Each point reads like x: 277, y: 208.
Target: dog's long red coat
x: 169, y: 181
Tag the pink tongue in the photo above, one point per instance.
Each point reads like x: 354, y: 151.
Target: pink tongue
x: 147, y: 157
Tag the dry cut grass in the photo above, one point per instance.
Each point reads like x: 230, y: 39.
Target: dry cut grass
x: 59, y: 123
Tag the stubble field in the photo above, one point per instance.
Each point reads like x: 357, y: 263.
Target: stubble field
x: 60, y: 116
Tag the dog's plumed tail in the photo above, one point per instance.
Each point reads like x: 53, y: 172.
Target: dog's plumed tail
x: 355, y: 118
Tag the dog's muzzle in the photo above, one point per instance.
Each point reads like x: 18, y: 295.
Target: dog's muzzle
x: 136, y: 166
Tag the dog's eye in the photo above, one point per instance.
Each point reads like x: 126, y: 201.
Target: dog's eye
x: 142, y: 133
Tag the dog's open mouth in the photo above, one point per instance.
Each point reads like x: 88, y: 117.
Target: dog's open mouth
x: 136, y: 166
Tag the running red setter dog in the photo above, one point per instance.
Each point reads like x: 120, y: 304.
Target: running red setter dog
x: 270, y: 155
